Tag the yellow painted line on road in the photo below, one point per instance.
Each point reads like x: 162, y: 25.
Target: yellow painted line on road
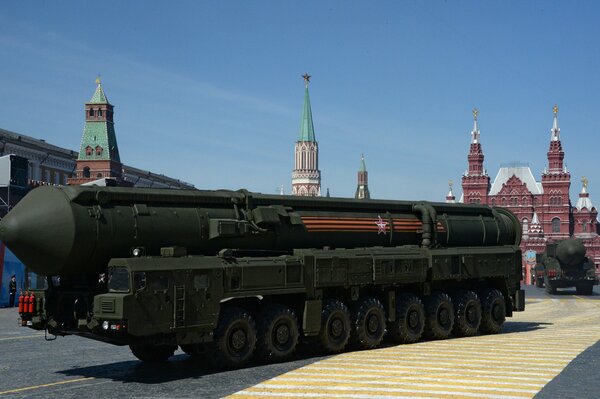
x: 22, y: 337
x: 45, y: 385
x: 508, y: 365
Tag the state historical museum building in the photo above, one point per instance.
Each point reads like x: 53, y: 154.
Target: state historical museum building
x: 544, y: 208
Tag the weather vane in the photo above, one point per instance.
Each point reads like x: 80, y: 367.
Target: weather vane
x: 306, y: 78
x: 475, y: 113
x: 450, y: 183
x: 584, y: 180
x: 555, y: 109
x: 98, y: 81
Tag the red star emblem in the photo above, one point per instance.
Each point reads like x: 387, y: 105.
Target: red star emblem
x: 381, y: 225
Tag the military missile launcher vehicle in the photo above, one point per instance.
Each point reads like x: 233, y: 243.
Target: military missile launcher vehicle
x: 231, y: 275
x: 565, y: 265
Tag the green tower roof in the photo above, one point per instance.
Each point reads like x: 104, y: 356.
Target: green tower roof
x: 99, y: 97
x: 307, y: 130
x: 363, y: 167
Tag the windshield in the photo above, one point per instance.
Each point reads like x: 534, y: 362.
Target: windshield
x: 118, y: 279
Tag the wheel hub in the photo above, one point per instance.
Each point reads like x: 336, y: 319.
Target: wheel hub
x: 497, y: 311
x: 282, y: 334
x: 238, y: 340
x: 443, y: 316
x: 471, y: 314
x: 337, y: 328
x: 413, y: 319
x: 373, y: 324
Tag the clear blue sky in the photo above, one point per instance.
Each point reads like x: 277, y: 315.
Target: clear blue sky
x: 211, y: 92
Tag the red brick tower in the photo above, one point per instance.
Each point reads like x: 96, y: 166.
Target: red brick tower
x: 475, y: 181
x: 556, y: 180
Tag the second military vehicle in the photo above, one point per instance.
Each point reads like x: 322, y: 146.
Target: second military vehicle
x: 231, y: 275
x: 565, y: 265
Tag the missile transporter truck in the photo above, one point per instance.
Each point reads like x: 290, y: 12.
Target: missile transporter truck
x: 230, y: 276
x: 565, y: 265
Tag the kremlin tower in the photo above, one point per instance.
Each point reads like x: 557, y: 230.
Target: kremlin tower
x: 306, y: 177
x: 99, y: 153
x: 362, y: 189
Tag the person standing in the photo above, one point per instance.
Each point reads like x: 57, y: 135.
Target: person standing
x: 12, y: 290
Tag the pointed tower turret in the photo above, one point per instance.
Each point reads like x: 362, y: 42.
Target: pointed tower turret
x: 450, y: 198
x: 306, y: 177
x: 362, y: 189
x: 475, y: 182
x: 556, y: 181
x: 99, y: 153
x: 585, y: 214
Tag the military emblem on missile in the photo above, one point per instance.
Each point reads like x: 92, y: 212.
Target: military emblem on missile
x: 565, y: 265
x: 232, y: 276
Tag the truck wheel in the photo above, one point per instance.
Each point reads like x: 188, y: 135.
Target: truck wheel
x: 439, y: 316
x: 194, y: 350
x: 277, y: 328
x: 493, y: 311
x: 152, y: 354
x: 539, y: 282
x: 234, y: 339
x: 335, y: 326
x: 410, y: 320
x: 550, y: 288
x: 467, y: 313
x: 585, y: 288
x: 368, y: 323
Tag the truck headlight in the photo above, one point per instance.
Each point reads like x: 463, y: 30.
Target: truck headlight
x: 105, y: 325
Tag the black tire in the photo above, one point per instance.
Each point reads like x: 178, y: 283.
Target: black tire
x: 550, y: 288
x: 277, y: 328
x: 467, y: 313
x: 335, y: 327
x: 234, y: 339
x: 493, y: 311
x: 585, y: 288
x: 153, y: 354
x: 439, y: 316
x: 410, y: 320
x: 194, y: 350
x: 368, y: 323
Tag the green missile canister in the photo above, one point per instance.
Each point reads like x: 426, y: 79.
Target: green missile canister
x: 78, y: 229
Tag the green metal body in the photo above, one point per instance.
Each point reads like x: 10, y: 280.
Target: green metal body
x: 565, y: 265
x: 202, y: 250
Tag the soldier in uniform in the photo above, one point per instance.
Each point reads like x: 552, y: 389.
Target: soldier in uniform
x: 12, y: 290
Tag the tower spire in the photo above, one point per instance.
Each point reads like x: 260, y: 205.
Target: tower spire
x: 555, y: 131
x: 307, y: 129
x: 475, y: 131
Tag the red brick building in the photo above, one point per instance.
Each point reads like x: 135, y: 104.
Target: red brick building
x: 544, y: 208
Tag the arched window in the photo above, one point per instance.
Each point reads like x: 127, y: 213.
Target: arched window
x: 99, y: 175
x: 99, y: 150
x: 524, y: 201
x: 503, y: 201
x: 99, y: 112
x: 86, y: 171
x: 556, y: 225
x: 584, y: 226
x: 514, y: 201
x: 525, y: 225
x: 91, y: 112
x: 493, y: 201
x: 88, y: 151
